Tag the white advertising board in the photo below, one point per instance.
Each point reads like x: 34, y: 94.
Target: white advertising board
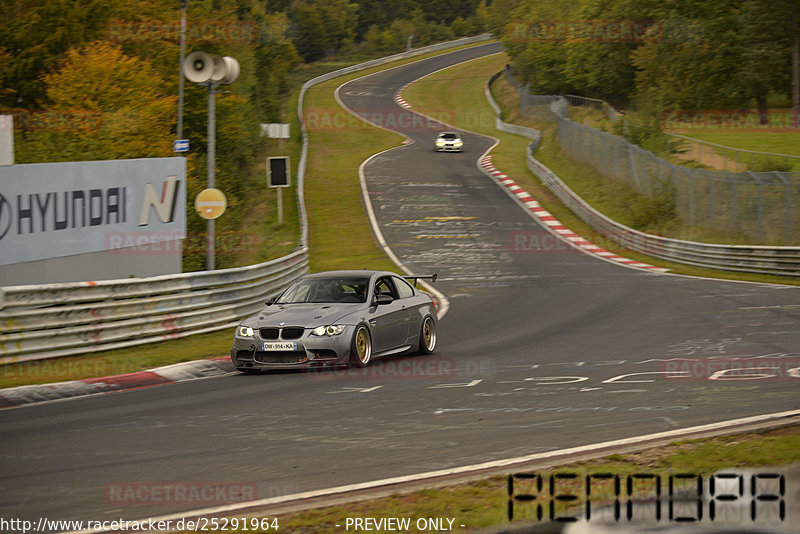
x: 50, y: 210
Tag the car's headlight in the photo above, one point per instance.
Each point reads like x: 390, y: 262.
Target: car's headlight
x: 330, y: 330
x: 440, y: 143
x: 458, y: 143
x: 245, y: 331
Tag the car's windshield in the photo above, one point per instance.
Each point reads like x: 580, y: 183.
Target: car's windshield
x: 448, y: 136
x: 326, y: 290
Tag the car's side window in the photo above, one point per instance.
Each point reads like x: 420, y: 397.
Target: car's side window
x: 384, y: 287
x: 404, y: 289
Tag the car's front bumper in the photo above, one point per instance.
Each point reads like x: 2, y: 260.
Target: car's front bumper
x: 311, y: 352
x: 448, y: 148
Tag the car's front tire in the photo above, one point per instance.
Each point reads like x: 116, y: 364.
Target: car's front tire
x: 427, y: 336
x: 361, y: 347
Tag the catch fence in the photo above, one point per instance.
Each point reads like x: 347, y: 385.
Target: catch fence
x: 746, y: 206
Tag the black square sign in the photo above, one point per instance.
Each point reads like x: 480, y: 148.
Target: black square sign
x: 278, y: 172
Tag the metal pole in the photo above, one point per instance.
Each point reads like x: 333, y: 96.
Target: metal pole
x: 180, y: 69
x: 280, y: 205
x: 212, y: 149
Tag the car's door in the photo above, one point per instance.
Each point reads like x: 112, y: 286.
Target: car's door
x: 388, y: 322
x: 406, y: 293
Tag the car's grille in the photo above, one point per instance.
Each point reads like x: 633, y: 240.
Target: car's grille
x: 280, y: 356
x: 269, y: 333
x: 292, y: 333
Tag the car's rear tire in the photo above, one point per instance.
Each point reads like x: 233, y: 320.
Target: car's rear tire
x: 427, y: 336
x: 361, y: 347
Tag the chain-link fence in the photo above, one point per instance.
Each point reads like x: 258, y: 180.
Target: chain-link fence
x: 747, y: 206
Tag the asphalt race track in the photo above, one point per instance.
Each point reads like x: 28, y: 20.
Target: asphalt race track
x: 543, y: 348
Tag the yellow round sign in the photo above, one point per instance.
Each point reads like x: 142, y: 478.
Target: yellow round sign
x: 210, y: 203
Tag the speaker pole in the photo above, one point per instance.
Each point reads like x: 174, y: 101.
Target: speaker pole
x: 180, y: 73
x: 212, y: 154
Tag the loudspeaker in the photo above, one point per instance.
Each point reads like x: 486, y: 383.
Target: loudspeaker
x: 198, y: 67
x: 226, y: 70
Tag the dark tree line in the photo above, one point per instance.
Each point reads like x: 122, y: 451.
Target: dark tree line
x: 683, y: 54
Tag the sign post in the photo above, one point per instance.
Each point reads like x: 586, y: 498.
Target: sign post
x: 279, y: 175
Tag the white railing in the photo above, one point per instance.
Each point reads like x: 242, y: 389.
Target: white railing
x: 48, y: 321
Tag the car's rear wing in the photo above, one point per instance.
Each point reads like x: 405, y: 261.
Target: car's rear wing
x: 414, y: 278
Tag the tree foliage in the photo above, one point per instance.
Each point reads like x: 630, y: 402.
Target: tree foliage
x: 107, y: 106
x: 695, y: 54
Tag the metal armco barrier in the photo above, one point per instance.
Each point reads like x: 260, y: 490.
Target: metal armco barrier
x: 48, y: 321
x: 776, y: 260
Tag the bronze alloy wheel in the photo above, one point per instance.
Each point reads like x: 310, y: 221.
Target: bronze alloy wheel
x: 427, y: 342
x: 362, y: 346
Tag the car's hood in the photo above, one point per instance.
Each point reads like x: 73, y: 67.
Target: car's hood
x: 305, y: 315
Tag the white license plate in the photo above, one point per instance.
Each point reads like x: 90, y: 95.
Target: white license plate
x: 286, y: 345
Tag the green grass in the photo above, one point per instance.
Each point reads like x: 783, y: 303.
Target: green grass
x: 775, y: 142
x: 483, y: 503
x: 730, y: 159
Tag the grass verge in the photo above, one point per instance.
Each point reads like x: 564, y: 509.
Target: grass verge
x: 483, y: 503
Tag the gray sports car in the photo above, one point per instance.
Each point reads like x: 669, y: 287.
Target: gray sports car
x: 337, y: 318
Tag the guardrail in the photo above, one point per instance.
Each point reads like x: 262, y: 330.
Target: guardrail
x: 53, y: 320
x: 778, y: 260
x: 49, y: 321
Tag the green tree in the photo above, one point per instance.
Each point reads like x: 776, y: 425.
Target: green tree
x: 38, y: 33
x: 320, y: 26
x: 538, y: 52
x: 765, y: 39
x: 111, y: 106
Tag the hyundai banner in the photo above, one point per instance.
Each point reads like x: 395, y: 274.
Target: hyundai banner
x: 49, y: 210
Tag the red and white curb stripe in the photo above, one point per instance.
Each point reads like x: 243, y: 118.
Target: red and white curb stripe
x: 549, y: 221
x: 398, y: 98
x: 170, y: 374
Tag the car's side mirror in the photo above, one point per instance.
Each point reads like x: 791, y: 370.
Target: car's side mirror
x: 270, y: 301
x: 383, y: 299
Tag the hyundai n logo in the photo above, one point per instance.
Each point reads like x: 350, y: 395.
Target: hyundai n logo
x: 164, y: 204
x: 32, y: 213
